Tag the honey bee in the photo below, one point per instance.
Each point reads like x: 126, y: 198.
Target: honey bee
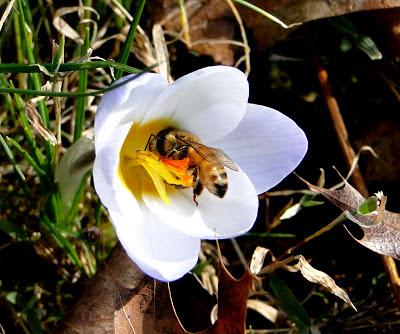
x: 207, y: 164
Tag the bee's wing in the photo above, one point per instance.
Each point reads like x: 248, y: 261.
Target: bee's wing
x: 221, y: 156
x: 228, y: 162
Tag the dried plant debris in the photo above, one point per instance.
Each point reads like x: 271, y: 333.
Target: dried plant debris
x: 381, y: 227
x: 37, y: 124
x: 309, y: 273
x: 149, y: 308
x: 316, y: 276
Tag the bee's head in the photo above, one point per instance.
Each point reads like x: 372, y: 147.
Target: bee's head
x: 167, y: 144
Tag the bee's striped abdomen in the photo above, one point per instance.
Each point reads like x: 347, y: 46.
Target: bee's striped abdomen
x: 216, y: 181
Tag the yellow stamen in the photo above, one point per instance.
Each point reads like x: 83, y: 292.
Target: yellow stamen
x: 161, y: 171
x: 144, y: 172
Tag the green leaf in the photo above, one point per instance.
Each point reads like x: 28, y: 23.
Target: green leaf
x: 310, y: 203
x: 368, y: 206
x: 364, y: 43
x: 289, y: 303
x: 34, y: 321
x: 75, y: 163
x: 11, y: 297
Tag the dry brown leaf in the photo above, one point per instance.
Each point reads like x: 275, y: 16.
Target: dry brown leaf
x: 232, y: 303
x: 383, y: 237
x: 267, y: 311
x: 161, y: 52
x: 146, y: 309
x: 37, y: 124
x: 64, y: 28
x: 94, y: 311
x: 257, y: 259
x: 212, y: 20
x: 212, y: 26
x: 316, y: 276
x: 266, y: 32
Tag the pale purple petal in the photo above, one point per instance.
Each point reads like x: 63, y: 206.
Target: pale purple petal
x: 267, y: 145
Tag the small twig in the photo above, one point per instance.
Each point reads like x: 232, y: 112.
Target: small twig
x: 239, y: 253
x: 325, y: 229
x: 246, y: 55
x: 348, y: 152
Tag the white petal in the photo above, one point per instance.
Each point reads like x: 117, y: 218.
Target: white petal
x: 159, y: 250
x: 126, y: 103
x: 267, y: 145
x: 208, y: 103
x: 214, y: 217
x: 112, y: 192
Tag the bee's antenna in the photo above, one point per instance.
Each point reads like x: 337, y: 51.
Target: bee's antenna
x: 148, y: 141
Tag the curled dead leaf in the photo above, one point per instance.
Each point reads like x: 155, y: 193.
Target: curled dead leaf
x: 381, y: 228
x: 37, y: 124
x: 316, y: 276
x: 257, y: 260
x: 267, y: 311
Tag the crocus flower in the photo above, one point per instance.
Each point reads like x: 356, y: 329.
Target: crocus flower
x: 150, y: 199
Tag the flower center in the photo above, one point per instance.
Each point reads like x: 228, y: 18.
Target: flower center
x: 145, y: 171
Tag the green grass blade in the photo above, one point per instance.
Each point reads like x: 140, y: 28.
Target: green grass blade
x: 63, y: 242
x: 6, y: 90
x: 66, y: 67
x: 41, y: 172
x: 20, y: 175
x: 7, y: 99
x: 127, y: 46
x: 289, y: 303
x: 81, y: 101
x: 18, y: 45
x: 24, y: 12
x: 37, y: 154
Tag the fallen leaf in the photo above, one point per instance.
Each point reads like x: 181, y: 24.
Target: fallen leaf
x: 146, y: 309
x: 267, y: 311
x: 232, y: 303
x: 266, y: 32
x: 257, y: 259
x: 381, y: 230
x: 316, y: 276
x: 212, y: 25
x: 94, y: 311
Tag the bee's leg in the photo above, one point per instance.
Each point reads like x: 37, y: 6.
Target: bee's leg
x: 198, y: 188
